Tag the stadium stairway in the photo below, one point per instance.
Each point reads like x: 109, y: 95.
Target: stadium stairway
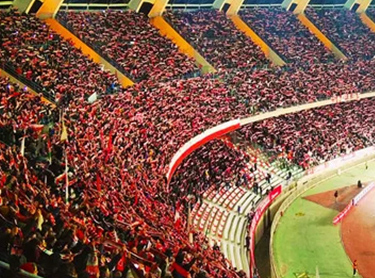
x: 222, y: 214
x: 268, y: 52
x: 313, y: 29
x: 169, y: 32
x: 66, y: 34
x: 367, y: 21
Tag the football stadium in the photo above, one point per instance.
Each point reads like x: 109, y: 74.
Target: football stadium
x: 187, y: 138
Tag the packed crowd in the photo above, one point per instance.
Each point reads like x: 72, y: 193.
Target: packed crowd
x: 41, y: 56
x: 115, y: 224
x: 312, y: 137
x: 217, y: 39
x: 216, y: 164
x: 132, y: 42
x: 122, y: 217
x: 346, y: 30
x: 286, y: 35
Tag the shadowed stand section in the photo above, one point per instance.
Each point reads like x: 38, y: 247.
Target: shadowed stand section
x: 66, y: 34
x: 313, y: 29
x: 15, y: 80
x: 268, y: 52
x: 167, y: 31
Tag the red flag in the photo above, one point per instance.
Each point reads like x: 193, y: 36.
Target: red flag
x: 37, y: 128
x: 121, y: 264
x: 110, y: 145
x: 60, y: 178
x: 98, y: 182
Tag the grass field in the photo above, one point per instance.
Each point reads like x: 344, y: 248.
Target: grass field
x: 306, y: 237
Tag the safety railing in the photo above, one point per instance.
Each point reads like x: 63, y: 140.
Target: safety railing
x: 29, y: 83
x: 22, y: 273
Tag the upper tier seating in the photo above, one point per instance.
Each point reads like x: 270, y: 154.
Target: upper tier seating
x: 43, y: 57
x: 217, y: 39
x: 132, y: 42
x: 286, y: 35
x: 346, y: 30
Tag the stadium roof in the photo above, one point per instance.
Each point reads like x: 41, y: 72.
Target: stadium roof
x: 103, y: 4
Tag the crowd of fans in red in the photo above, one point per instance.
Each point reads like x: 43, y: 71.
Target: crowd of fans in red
x: 214, y: 163
x: 218, y: 40
x: 118, y: 222
x: 311, y: 137
x: 122, y: 219
x: 43, y: 57
x: 346, y: 30
x: 285, y: 33
x: 132, y: 42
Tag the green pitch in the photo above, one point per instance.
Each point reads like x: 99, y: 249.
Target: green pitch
x: 306, y: 237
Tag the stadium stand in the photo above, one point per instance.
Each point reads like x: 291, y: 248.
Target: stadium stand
x: 287, y: 35
x: 89, y: 234
x: 346, y: 29
x: 218, y: 40
x: 322, y: 134
x: 128, y: 39
x: 83, y: 191
x: 33, y: 51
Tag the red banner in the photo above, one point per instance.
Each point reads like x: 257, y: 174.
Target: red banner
x: 262, y: 207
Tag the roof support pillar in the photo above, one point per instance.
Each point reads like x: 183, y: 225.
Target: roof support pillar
x: 359, y: 6
x: 296, y: 6
x: 234, y: 7
x: 158, y: 8
x: 49, y: 8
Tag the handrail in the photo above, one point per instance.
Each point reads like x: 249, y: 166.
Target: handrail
x: 95, y: 6
x: 22, y: 272
x: 33, y: 85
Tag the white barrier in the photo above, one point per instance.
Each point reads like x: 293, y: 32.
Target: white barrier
x: 198, y: 141
x: 230, y: 126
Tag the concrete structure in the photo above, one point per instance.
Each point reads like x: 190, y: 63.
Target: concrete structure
x: 158, y: 8
x: 360, y: 6
x: 298, y: 6
x: 49, y: 8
